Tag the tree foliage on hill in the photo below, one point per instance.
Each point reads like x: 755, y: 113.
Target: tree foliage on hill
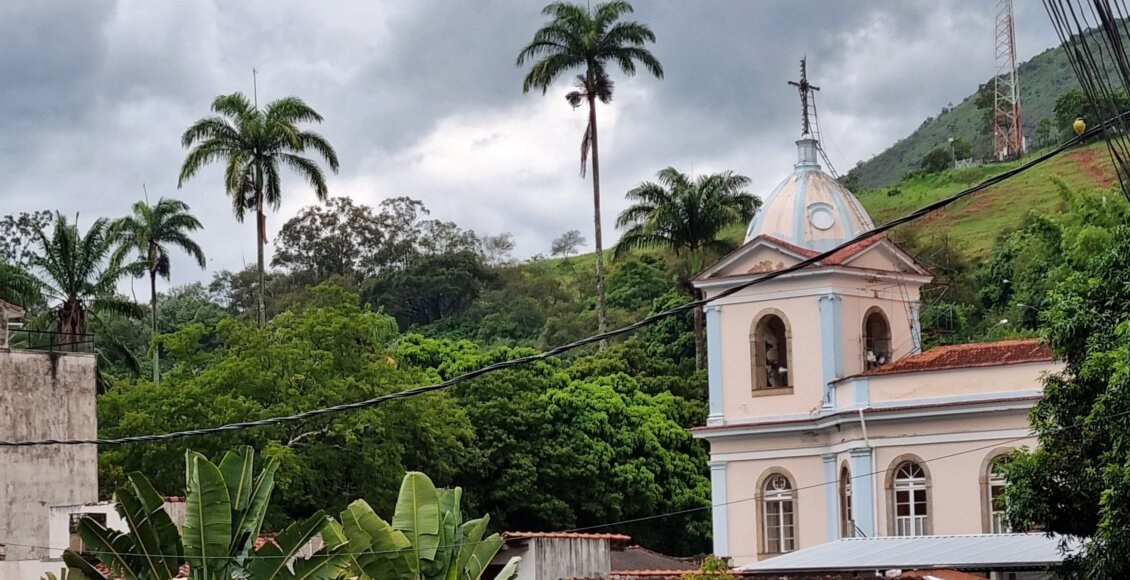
x: 326, y: 350
x: 1074, y: 104
x: 561, y: 446
x: 1077, y: 481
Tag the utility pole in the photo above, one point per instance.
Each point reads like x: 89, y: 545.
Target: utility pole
x: 1008, y: 137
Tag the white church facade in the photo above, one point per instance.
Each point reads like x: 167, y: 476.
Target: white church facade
x: 826, y: 418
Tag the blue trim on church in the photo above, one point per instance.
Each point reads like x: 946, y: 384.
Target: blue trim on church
x: 831, y: 346
x: 714, y: 364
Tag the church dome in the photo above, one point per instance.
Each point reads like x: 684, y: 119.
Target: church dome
x: 810, y: 209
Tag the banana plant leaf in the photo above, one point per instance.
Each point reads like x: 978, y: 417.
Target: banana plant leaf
x: 417, y: 516
x: 207, y: 521
x: 272, y: 560
x: 375, y: 548
x: 114, y: 549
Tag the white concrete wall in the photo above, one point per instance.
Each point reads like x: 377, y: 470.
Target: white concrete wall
x: 29, y: 569
x: 556, y: 558
x: 44, y: 396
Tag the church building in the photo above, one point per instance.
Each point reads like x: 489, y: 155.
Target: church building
x: 827, y: 420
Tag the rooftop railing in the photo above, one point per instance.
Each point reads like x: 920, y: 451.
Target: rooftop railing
x: 50, y: 341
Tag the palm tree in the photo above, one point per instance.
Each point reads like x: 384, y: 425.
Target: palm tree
x: 688, y: 217
x: 78, y: 272
x: 18, y: 286
x: 149, y: 232
x: 253, y: 143
x: 577, y: 38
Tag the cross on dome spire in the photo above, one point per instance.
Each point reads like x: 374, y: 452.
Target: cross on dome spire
x: 804, y: 88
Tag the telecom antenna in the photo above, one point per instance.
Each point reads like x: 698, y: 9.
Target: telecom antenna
x: 1008, y: 138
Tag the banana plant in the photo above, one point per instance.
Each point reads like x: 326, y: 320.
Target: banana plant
x: 426, y: 540
x: 225, y: 504
x: 224, y: 510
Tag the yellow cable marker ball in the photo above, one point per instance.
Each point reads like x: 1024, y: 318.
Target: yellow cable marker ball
x: 1079, y: 126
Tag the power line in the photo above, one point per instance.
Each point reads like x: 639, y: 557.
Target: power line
x: 524, y: 360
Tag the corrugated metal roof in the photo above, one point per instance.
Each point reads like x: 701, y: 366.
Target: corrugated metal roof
x: 966, y: 552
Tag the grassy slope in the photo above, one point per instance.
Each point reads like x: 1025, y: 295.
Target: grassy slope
x: 976, y: 222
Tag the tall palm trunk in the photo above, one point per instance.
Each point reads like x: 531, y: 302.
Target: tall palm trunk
x: 153, y: 318
x: 261, y: 227
x: 600, y: 304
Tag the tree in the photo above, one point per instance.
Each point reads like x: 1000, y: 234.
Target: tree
x: 560, y: 446
x: 339, y: 239
x: 17, y: 235
x: 579, y: 38
x: 688, y: 217
x: 1077, y: 481
x: 253, y: 143
x: 431, y: 288
x: 567, y: 244
x: 496, y: 249
x: 1043, y: 132
x: 1075, y: 103
x: 18, y: 286
x: 78, y: 272
x: 439, y: 237
x: 149, y: 232
x: 938, y: 159
x: 324, y: 351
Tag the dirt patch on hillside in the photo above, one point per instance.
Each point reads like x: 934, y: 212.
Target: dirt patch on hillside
x: 1093, y: 165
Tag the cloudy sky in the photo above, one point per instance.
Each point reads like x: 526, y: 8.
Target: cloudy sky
x: 422, y: 98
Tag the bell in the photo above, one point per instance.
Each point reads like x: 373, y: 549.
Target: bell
x: 1079, y: 126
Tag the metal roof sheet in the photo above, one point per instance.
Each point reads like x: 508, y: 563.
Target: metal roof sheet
x: 961, y: 552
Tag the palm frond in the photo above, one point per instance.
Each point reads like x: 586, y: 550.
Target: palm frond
x: 235, y: 105
x: 319, y: 144
x: 310, y: 171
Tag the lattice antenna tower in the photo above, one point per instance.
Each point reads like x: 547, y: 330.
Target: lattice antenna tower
x: 1008, y: 138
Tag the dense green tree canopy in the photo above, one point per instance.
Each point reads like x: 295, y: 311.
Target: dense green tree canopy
x: 326, y: 350
x: 1077, y: 482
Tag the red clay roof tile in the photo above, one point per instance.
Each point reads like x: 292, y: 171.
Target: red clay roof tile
x: 977, y: 354
x: 614, y: 538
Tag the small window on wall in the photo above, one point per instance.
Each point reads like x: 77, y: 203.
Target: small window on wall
x: 779, y: 526
x: 847, y: 524
x: 75, y: 543
x: 769, y: 343
x: 876, y: 339
x: 998, y: 521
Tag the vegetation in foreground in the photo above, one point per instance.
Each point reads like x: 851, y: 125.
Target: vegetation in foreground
x: 225, y: 506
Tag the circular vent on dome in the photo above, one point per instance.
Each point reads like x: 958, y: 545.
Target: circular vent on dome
x: 821, y: 216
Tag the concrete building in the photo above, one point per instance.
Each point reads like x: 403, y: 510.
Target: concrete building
x: 826, y: 419
x: 558, y: 555
x: 44, y: 394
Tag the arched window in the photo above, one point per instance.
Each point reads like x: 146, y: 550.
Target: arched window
x: 779, y: 524
x: 876, y: 339
x: 770, y: 352
x: 995, y: 482
x: 911, y: 506
x: 847, y: 524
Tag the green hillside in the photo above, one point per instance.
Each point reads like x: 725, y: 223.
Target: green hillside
x: 1042, y: 80
x: 976, y: 222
